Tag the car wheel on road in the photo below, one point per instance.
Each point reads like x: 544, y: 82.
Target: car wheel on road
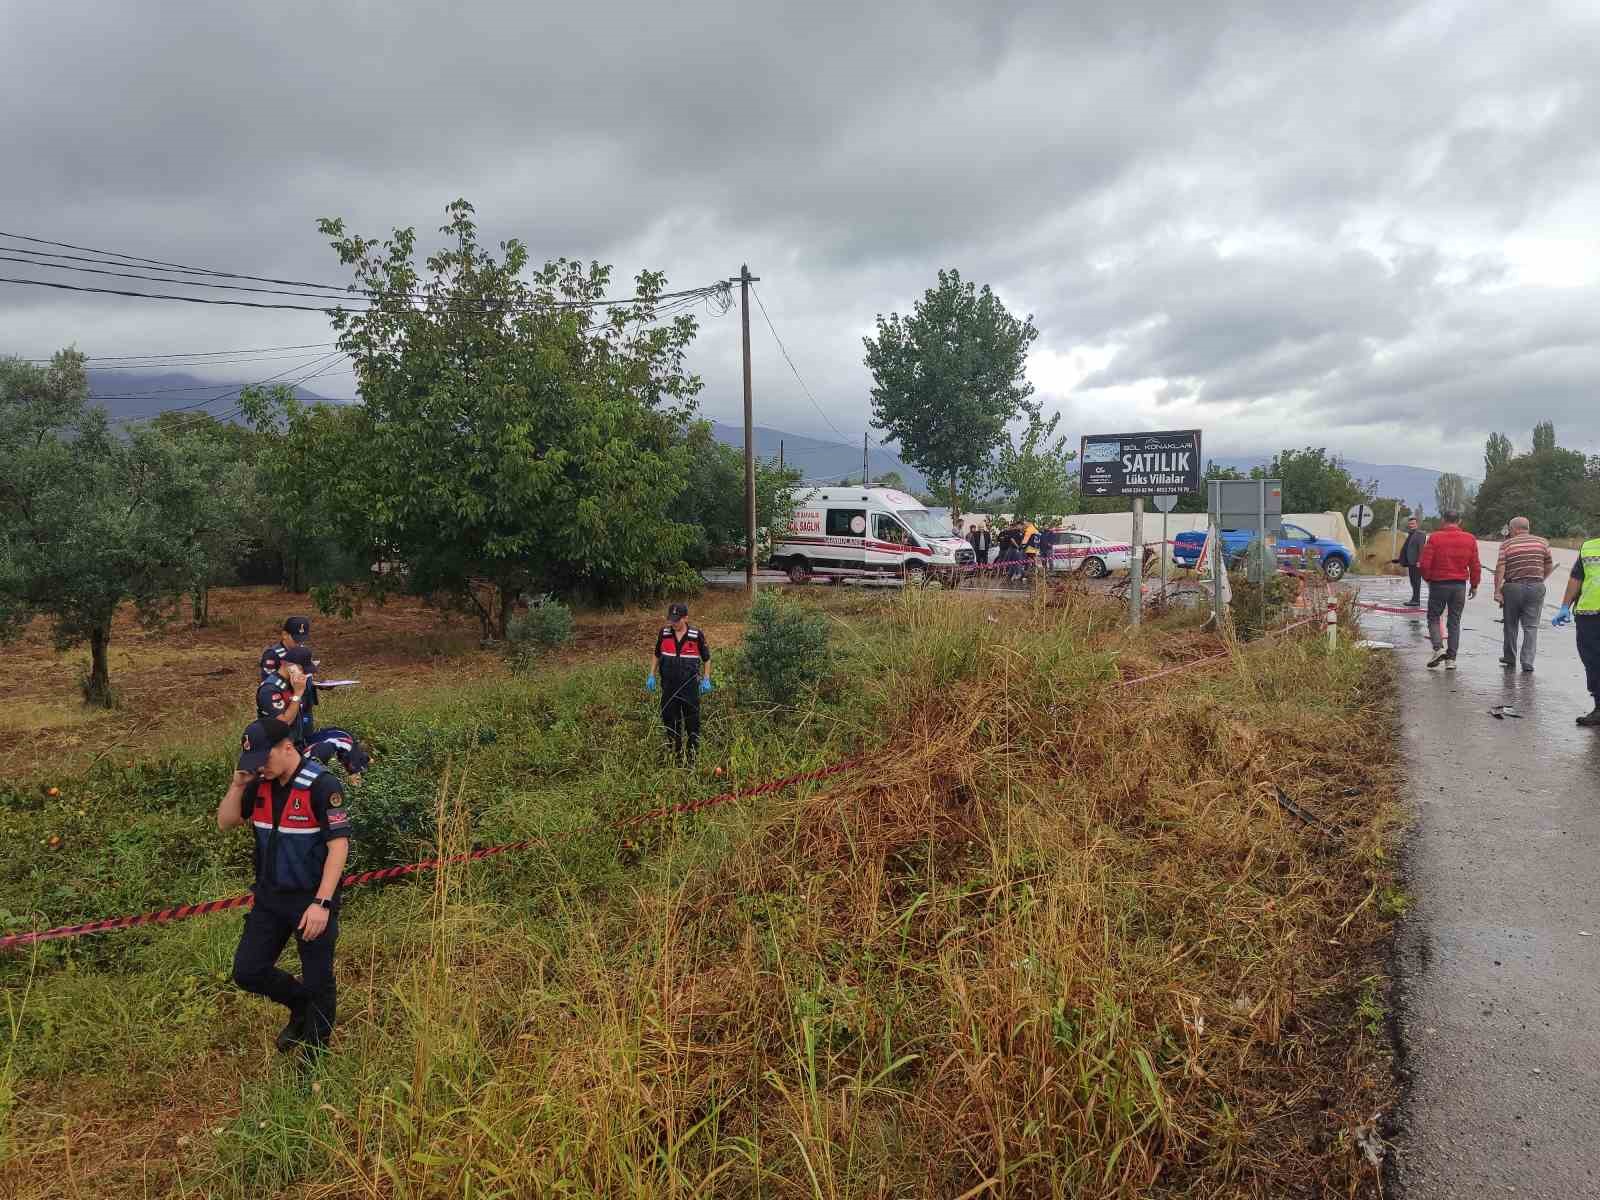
x: 1095, y: 568
x: 799, y: 571
x: 1333, y: 567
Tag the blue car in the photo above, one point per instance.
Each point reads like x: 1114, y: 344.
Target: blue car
x: 1297, y: 548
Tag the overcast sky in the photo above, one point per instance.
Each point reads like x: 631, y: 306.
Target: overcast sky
x: 1365, y: 225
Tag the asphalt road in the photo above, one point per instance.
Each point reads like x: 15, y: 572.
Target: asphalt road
x: 1498, y: 963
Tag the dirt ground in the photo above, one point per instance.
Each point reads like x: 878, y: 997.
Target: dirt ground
x: 182, y: 684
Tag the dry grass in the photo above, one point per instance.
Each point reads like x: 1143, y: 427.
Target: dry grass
x: 181, y: 686
x: 1061, y: 941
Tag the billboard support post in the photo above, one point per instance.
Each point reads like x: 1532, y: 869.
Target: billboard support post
x: 1136, y: 564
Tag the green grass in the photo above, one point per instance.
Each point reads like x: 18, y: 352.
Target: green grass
x: 1060, y: 942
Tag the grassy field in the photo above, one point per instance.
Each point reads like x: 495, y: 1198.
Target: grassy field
x: 1059, y: 940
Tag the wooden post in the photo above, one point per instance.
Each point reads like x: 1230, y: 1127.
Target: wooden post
x: 749, y: 439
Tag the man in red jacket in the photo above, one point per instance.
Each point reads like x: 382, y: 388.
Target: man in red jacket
x: 1449, y: 561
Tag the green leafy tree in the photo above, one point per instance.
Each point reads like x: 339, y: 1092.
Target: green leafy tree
x: 307, y: 511
x: 212, y: 500
x: 712, y: 500
x: 890, y: 479
x: 949, y: 379
x: 86, y: 516
x: 1035, y: 474
x: 1544, y: 436
x: 1315, y: 481
x: 514, y: 436
x: 1497, y: 451
x: 1552, y: 487
x: 1450, y: 493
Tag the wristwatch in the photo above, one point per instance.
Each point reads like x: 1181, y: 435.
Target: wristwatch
x: 319, y: 901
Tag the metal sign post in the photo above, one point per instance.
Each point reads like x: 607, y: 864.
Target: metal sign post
x: 1166, y: 504
x: 1136, y: 564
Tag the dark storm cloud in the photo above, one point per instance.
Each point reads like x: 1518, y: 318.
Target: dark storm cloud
x: 1341, y: 223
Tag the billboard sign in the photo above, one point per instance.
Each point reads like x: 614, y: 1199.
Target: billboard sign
x: 1140, y: 464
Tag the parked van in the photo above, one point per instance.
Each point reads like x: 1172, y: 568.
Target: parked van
x: 839, y: 531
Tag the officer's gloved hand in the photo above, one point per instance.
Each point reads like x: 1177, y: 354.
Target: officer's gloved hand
x: 649, y: 683
x: 1562, y: 617
x: 705, y: 685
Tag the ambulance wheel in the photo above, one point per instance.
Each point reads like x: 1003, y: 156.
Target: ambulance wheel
x: 915, y: 573
x: 1095, y: 568
x: 799, y: 571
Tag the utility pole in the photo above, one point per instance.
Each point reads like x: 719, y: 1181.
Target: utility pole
x: 745, y: 280
x: 864, y: 479
x: 780, y: 456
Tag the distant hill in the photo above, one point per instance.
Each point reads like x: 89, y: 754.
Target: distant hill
x: 820, y: 460
x: 1413, y: 485
x: 128, y: 394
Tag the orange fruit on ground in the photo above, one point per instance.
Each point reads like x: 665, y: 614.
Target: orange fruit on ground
x: 718, y: 770
x: 55, y: 791
x: 55, y: 840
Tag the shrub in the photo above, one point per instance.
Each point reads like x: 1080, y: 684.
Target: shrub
x: 548, y: 622
x: 785, y: 651
x: 1257, y: 608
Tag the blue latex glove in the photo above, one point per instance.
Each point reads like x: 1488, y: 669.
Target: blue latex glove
x: 649, y: 683
x: 1562, y: 617
x: 705, y: 685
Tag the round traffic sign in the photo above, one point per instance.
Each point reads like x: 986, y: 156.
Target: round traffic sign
x: 1360, y: 515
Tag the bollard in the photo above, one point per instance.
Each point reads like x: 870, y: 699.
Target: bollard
x: 1333, y: 622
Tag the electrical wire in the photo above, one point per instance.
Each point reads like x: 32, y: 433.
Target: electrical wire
x: 325, y: 291
x: 784, y: 350
x: 230, y: 393
x: 105, y: 358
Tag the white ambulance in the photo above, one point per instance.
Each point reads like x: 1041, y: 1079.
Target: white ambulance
x: 862, y: 532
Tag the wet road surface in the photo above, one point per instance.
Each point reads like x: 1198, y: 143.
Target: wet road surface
x: 1498, y: 966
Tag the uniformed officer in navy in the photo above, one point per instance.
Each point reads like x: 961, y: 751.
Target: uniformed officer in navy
x: 285, y: 693
x: 295, y: 809
x: 296, y: 632
x: 684, y: 661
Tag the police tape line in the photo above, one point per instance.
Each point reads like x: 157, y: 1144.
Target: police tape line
x: 183, y: 912
x: 383, y: 874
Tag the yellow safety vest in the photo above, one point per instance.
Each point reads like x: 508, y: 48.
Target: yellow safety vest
x: 1588, y: 603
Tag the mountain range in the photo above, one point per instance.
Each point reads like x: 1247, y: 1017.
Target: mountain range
x: 131, y: 394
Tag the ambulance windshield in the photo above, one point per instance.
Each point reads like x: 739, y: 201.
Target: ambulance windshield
x: 921, y: 522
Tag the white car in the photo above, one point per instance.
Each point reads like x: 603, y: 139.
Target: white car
x: 1096, y: 557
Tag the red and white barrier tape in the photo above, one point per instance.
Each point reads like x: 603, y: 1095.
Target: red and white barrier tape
x: 382, y: 874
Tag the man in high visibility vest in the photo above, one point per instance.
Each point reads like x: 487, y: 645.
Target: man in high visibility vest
x: 1581, y: 605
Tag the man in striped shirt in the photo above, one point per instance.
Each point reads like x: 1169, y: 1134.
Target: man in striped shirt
x: 1519, y: 574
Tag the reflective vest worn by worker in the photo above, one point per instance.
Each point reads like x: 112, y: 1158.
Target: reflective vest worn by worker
x: 1030, y: 539
x: 1588, y: 604
x: 290, y: 850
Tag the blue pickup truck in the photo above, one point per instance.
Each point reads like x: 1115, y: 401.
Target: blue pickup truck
x: 1297, y: 547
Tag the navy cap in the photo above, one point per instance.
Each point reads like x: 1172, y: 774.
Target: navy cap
x: 679, y: 609
x: 259, y: 739
x: 300, y: 656
x: 299, y: 628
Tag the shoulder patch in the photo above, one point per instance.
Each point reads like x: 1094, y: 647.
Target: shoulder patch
x: 335, y: 800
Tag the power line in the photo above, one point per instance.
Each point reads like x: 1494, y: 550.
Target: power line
x: 230, y: 393
x: 672, y: 300
x: 104, y: 358
x: 785, y: 352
